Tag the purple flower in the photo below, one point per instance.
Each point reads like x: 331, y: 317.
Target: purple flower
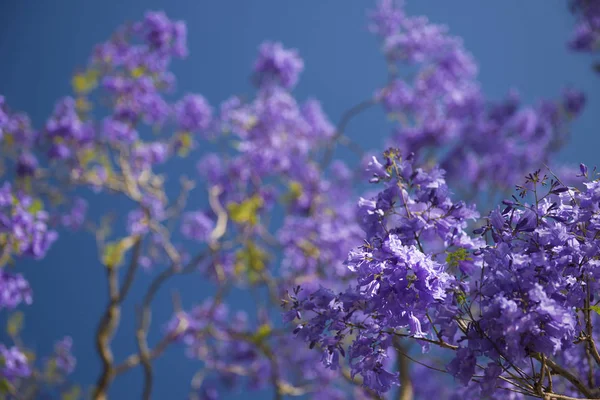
x: 14, y: 363
x: 211, y: 168
x: 277, y: 64
x: 320, y: 125
x: 584, y: 38
x: 163, y: 34
x: 75, y: 217
x: 197, y: 226
x: 14, y: 290
x: 193, y: 113
x: 137, y: 223
x: 146, y: 155
x: 65, y: 360
x: 463, y: 365
x: 27, y: 164
x: 119, y: 131
x: 574, y: 101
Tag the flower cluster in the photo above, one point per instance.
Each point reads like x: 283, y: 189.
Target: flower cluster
x: 64, y: 359
x: 539, y: 273
x: 520, y: 290
x: 278, y: 65
x: 23, y: 225
x: 401, y: 285
x: 233, y: 348
x: 510, y: 300
x: 586, y: 35
x: 443, y: 116
x: 14, y: 363
x: 14, y: 290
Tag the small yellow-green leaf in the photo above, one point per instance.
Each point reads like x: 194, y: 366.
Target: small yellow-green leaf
x: 461, y: 297
x: 85, y: 82
x: 454, y: 258
x: 6, y: 387
x: 15, y: 324
x: 296, y: 189
x: 309, y: 249
x: 36, y: 206
x: 186, y: 141
x: 29, y: 355
x: 595, y: 309
x: 262, y: 333
x: 245, y: 212
x: 113, y: 255
x: 114, y: 252
x: 73, y: 393
x: 51, y: 370
x: 86, y: 156
x: 251, y: 260
x: 9, y: 139
x: 138, y: 72
x: 82, y: 104
x: 294, y: 193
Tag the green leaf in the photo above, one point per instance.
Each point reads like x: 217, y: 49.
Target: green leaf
x: 36, y: 206
x: 595, y: 308
x: 73, y: 393
x: 251, y: 261
x: 86, y: 157
x: 461, y: 297
x: 263, y: 332
x: 15, y: 324
x: 186, y: 142
x: 82, y: 104
x: 309, y: 249
x: 113, y: 255
x: 138, y: 72
x: 6, y: 387
x: 114, y: 252
x: 454, y: 258
x: 51, y: 373
x: 295, y: 191
x: 30, y: 356
x: 245, y: 212
x: 85, y: 82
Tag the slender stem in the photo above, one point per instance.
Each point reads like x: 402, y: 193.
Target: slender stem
x: 358, y: 381
x: 145, y: 315
x: 588, y: 323
x: 575, y: 381
x: 406, y: 391
x: 134, y: 359
x: 443, y: 344
x: 144, y: 352
x: 341, y: 127
x: 554, y: 396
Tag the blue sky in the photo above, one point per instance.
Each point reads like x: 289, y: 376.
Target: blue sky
x: 517, y: 43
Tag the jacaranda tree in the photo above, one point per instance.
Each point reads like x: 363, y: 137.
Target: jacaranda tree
x: 459, y: 262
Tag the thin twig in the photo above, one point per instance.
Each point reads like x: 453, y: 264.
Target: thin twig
x: 575, y: 381
x: 341, y: 127
x: 144, y: 318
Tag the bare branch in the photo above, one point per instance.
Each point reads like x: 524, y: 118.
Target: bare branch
x: 341, y: 127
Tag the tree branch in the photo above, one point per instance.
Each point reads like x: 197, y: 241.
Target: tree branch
x: 145, y: 314
x: 110, y: 321
x: 406, y: 391
x: 575, y: 381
